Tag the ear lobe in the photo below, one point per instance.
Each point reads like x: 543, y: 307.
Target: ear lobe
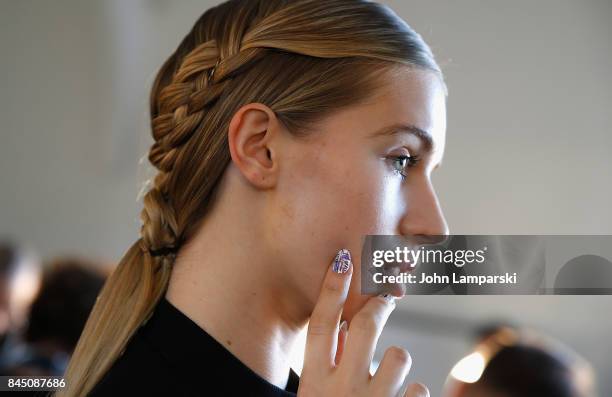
x: 252, y: 132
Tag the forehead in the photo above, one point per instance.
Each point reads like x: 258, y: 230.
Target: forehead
x: 406, y: 96
x: 411, y: 95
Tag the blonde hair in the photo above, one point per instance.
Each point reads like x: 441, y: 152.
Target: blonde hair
x: 303, y: 59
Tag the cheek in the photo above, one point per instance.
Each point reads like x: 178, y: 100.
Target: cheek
x: 346, y: 202
x: 373, y: 207
x: 372, y: 202
x: 332, y: 204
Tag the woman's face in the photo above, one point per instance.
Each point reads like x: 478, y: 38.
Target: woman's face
x: 352, y: 179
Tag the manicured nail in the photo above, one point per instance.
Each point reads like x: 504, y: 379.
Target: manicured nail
x: 342, y: 261
x: 388, y: 297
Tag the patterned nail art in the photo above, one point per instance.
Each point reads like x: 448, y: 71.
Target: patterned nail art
x: 342, y: 261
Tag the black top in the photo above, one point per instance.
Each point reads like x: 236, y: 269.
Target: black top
x: 170, y: 355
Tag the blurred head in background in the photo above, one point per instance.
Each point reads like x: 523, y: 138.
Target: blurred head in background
x: 69, y: 290
x: 57, y: 316
x: 19, y: 281
x: 510, y: 363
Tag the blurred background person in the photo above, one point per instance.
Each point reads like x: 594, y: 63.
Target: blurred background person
x: 512, y: 363
x: 56, y: 317
x: 20, y: 274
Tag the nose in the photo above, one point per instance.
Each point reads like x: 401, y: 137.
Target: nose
x: 424, y: 214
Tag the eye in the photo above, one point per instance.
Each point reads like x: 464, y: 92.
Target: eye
x: 400, y: 163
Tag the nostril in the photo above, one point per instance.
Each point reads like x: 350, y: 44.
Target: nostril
x: 434, y: 238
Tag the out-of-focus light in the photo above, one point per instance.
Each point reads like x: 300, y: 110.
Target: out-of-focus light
x: 470, y: 368
x: 24, y: 285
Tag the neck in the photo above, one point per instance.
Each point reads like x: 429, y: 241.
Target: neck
x: 234, y: 292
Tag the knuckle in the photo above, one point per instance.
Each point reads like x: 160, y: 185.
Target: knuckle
x: 308, y: 390
x: 365, y: 322
x: 332, y: 286
x: 320, y: 328
x: 398, y: 355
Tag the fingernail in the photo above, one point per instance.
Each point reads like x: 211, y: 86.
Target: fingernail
x: 343, y: 326
x: 388, y: 297
x: 342, y: 261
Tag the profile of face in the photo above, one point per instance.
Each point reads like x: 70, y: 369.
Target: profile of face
x: 366, y: 170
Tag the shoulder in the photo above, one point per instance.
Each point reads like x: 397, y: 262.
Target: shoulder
x: 141, y: 371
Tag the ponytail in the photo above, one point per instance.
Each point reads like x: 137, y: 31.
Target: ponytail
x: 125, y: 302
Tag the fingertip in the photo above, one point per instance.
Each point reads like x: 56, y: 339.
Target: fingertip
x: 417, y: 390
x: 388, y: 299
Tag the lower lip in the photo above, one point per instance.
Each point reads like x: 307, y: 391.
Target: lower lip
x: 406, y: 267
x: 398, y: 290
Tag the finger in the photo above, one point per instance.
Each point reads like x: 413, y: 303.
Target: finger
x: 417, y: 390
x: 363, y: 333
x: 342, y: 332
x: 322, y: 334
x: 392, y: 370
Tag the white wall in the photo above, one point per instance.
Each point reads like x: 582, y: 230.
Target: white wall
x: 527, y: 147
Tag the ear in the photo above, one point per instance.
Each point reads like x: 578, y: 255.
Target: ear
x: 253, y: 132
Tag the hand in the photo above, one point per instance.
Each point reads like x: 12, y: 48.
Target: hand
x: 337, y: 361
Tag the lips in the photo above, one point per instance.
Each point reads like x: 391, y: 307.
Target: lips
x: 398, y: 290
x: 397, y: 268
x: 405, y: 267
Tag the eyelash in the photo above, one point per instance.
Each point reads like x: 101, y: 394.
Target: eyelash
x: 412, y: 160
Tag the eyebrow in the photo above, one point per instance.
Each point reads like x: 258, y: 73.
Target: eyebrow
x: 397, y: 128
